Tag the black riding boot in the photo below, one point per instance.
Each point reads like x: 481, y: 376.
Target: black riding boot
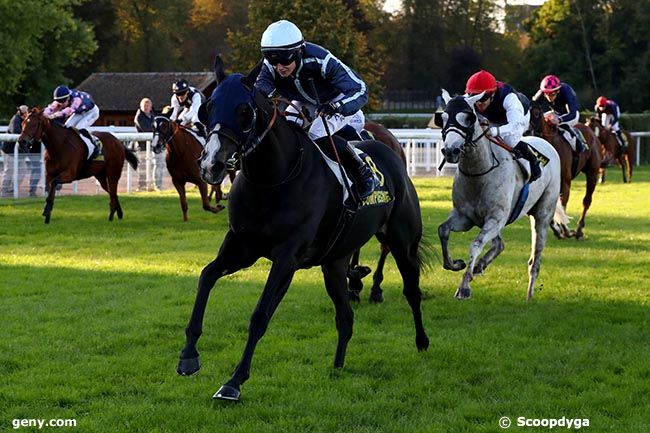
x: 364, y: 179
x: 621, y: 141
x: 521, y: 150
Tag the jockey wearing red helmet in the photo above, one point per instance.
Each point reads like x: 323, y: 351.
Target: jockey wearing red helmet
x: 508, y: 113
x: 610, y: 114
x: 563, y: 100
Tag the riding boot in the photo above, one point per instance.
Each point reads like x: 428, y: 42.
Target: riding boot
x: 621, y: 141
x: 200, y: 129
x: 362, y: 174
x: 521, y: 150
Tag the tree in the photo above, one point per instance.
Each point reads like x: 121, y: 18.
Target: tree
x: 39, y: 41
x: 333, y: 28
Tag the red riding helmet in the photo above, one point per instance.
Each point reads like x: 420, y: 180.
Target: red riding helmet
x: 482, y: 81
x: 601, y: 101
x: 550, y: 83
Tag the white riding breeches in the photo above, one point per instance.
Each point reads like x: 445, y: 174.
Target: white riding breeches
x: 334, y: 123
x: 83, y: 120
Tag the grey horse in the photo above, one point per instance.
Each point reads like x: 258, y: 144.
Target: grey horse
x: 487, y: 188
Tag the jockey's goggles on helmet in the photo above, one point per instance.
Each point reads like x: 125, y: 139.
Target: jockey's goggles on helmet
x: 484, y: 98
x: 282, y: 57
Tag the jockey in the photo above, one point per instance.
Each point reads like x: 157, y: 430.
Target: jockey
x: 185, y: 104
x: 77, y: 107
x: 610, y: 115
x: 292, y: 68
x: 564, y: 102
x: 508, y: 113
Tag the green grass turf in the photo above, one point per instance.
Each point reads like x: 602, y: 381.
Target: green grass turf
x: 93, y: 316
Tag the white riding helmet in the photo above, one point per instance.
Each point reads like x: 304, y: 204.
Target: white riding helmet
x: 281, y: 35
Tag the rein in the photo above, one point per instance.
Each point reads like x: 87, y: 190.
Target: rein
x: 471, y: 141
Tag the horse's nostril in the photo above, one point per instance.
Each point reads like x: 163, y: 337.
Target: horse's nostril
x: 456, y: 151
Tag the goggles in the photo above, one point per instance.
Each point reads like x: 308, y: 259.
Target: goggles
x: 485, y: 97
x: 284, y: 58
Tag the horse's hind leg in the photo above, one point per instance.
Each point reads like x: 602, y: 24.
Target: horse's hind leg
x: 496, y: 249
x: 110, y: 186
x: 454, y: 223
x: 592, y: 179
x: 539, y: 229
x: 334, y: 274
x: 376, y: 293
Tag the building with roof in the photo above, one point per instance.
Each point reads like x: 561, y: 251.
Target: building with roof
x: 118, y: 94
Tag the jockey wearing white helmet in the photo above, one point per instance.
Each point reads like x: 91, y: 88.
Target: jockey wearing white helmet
x: 296, y: 69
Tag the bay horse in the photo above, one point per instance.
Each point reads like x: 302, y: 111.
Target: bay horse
x: 66, y: 158
x: 610, y: 149
x: 183, y: 151
x: 587, y: 162
x: 487, y: 191
x: 356, y: 271
x: 286, y: 205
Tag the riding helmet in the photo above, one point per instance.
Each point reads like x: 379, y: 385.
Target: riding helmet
x: 550, y: 83
x: 61, y: 93
x: 180, y: 87
x: 601, y: 101
x: 482, y: 81
x: 282, y: 41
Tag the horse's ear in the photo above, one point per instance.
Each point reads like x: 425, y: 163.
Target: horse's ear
x: 219, y: 70
x: 446, y: 96
x: 204, y: 111
x: 437, y: 119
x: 471, y: 100
x: 249, y: 80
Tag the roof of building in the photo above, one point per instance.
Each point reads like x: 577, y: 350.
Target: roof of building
x: 122, y: 91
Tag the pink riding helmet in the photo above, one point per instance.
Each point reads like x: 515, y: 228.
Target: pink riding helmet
x: 550, y: 83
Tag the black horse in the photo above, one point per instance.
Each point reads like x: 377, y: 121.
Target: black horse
x: 287, y: 206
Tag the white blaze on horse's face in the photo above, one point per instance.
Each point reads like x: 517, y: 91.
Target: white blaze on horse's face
x: 209, y: 158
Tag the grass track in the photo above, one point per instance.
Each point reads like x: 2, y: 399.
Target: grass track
x: 93, y: 316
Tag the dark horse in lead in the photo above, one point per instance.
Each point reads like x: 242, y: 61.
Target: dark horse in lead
x: 284, y: 206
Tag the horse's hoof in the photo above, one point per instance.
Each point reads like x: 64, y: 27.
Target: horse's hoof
x: 188, y: 367
x: 478, y: 269
x: 358, y: 272
x: 376, y: 296
x: 353, y: 296
x: 463, y: 293
x: 457, y: 265
x: 227, y: 392
x: 422, y: 343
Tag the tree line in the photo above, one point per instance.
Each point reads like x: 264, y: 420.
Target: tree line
x: 597, y: 46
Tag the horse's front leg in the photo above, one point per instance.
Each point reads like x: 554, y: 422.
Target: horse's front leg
x: 205, y: 198
x: 355, y: 276
x: 494, y: 251
x: 455, y: 223
x: 180, y: 188
x: 592, y: 179
x: 282, y: 271
x: 334, y: 274
x: 234, y: 255
x: 489, y: 231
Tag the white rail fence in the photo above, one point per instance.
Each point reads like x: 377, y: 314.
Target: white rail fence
x: 25, y: 175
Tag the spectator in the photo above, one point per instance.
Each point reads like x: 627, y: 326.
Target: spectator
x: 15, y: 127
x: 143, y: 122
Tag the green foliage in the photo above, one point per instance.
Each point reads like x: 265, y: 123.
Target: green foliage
x: 333, y: 28
x: 93, y: 316
x: 39, y: 41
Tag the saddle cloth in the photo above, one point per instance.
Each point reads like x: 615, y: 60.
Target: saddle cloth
x: 196, y: 135
x: 333, y: 165
x: 90, y: 144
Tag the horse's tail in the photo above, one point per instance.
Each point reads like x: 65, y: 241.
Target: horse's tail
x: 560, y: 216
x: 426, y: 253
x: 131, y: 157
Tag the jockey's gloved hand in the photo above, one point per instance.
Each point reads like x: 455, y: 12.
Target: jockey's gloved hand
x: 179, y: 121
x: 327, y: 110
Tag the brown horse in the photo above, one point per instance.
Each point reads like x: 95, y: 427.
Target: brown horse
x: 66, y: 158
x: 610, y: 149
x: 183, y: 153
x: 357, y: 272
x: 587, y: 162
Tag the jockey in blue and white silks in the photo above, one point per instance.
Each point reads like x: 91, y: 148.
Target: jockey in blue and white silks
x: 185, y: 103
x: 610, y: 114
x: 74, y: 105
x: 564, y: 102
x: 508, y: 113
x: 296, y: 69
